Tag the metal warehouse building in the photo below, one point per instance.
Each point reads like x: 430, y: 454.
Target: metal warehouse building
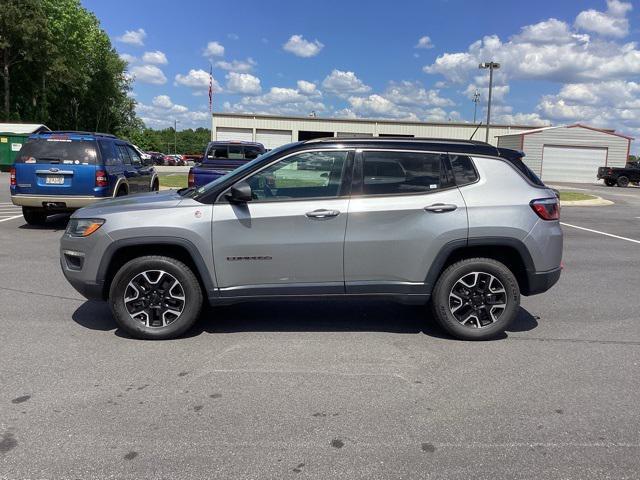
x: 273, y: 131
x: 570, y: 153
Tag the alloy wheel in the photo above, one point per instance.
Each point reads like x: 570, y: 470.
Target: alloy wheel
x: 477, y: 299
x: 155, y: 298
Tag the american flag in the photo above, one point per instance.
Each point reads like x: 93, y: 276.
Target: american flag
x: 210, y: 88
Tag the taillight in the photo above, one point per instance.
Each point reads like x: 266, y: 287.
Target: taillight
x: 191, y: 180
x: 12, y: 176
x: 546, y: 208
x: 101, y: 178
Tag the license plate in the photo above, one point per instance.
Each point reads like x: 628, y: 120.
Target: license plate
x: 57, y: 180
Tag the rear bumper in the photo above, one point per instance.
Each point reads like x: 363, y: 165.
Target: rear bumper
x: 540, y: 282
x: 41, y: 201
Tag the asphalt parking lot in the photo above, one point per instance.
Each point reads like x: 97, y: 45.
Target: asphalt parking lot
x: 326, y: 390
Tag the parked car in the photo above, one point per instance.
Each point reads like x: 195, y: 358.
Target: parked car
x: 620, y: 176
x: 157, y: 158
x: 221, y: 158
x: 62, y: 171
x: 464, y: 224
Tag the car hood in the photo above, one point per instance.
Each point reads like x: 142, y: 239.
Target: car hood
x: 142, y: 201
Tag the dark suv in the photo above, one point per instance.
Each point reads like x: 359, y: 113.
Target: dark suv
x: 62, y: 171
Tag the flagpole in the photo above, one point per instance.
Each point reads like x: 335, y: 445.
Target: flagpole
x: 211, y: 99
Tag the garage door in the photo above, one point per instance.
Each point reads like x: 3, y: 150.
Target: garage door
x: 225, y: 134
x: 273, y: 138
x: 572, y: 164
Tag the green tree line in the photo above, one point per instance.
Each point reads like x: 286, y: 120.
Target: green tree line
x: 58, y: 67
x: 167, y: 141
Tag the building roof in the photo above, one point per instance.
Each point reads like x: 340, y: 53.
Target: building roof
x: 363, y: 120
x: 580, y: 125
x: 22, y: 127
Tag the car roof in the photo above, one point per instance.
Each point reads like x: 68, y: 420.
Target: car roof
x: 469, y: 147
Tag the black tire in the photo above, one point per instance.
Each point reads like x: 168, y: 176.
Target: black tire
x: 122, y: 191
x: 34, y: 216
x: 623, y: 181
x: 188, y: 283
x: 441, y: 303
x: 609, y: 182
x: 156, y: 186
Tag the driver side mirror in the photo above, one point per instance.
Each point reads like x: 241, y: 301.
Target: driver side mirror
x: 240, y: 193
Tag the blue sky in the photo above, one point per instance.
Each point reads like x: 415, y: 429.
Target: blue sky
x: 563, y: 61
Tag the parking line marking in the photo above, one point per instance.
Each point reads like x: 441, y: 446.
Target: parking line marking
x: 10, y: 218
x: 601, y: 233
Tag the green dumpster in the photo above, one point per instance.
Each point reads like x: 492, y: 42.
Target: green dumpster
x: 10, y: 144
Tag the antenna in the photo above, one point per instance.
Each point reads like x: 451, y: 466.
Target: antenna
x: 474, y: 132
x: 475, y: 99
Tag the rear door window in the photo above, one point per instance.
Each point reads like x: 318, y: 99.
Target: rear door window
x: 58, y: 151
x: 124, y: 155
x: 135, y: 158
x: 396, y: 173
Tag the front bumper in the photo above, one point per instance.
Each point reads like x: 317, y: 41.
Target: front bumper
x: 54, y: 202
x: 540, y: 282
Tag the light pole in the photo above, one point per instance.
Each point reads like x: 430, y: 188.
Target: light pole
x: 175, y: 137
x: 476, y: 99
x: 491, y: 66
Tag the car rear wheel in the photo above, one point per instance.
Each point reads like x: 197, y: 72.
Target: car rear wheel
x: 623, y: 181
x: 34, y: 216
x: 155, y: 297
x: 476, y: 299
x: 609, y: 183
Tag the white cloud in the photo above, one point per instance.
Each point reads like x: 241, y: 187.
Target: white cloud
x: 403, y: 100
x: 278, y: 101
x: 213, y: 49
x: 128, y: 58
x: 162, y: 112
x: 233, y: 36
x: 612, y: 23
x: 157, y: 58
x: 243, y: 83
x: 148, y: 74
x: 301, y: 47
x: 308, y: 88
x: 343, y: 83
x: 197, y: 81
x: 133, y: 37
x: 424, y: 42
x: 241, y: 66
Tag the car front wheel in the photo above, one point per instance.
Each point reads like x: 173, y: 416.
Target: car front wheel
x: 155, y: 297
x: 476, y: 299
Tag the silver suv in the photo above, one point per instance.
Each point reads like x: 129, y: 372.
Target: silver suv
x: 462, y: 225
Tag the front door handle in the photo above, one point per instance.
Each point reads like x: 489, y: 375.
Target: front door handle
x: 441, y: 207
x: 322, y: 213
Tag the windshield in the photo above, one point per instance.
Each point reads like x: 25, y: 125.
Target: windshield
x: 54, y: 150
x: 198, y: 192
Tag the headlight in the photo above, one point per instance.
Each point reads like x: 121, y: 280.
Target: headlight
x: 83, y: 227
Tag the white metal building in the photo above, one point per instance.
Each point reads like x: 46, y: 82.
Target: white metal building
x: 569, y: 153
x: 273, y: 131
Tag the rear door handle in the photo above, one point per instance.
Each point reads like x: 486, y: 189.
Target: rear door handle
x: 322, y: 213
x: 441, y: 207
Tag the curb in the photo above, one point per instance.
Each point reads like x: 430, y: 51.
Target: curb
x: 594, y: 202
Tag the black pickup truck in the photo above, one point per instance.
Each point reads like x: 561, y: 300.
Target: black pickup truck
x: 620, y: 176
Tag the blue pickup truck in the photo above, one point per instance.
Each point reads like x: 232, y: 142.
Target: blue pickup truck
x: 221, y: 158
x: 62, y: 171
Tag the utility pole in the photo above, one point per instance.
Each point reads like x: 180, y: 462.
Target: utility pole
x: 175, y: 136
x: 476, y: 99
x: 491, y: 66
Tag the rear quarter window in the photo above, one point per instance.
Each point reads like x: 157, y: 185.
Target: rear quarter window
x: 463, y: 170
